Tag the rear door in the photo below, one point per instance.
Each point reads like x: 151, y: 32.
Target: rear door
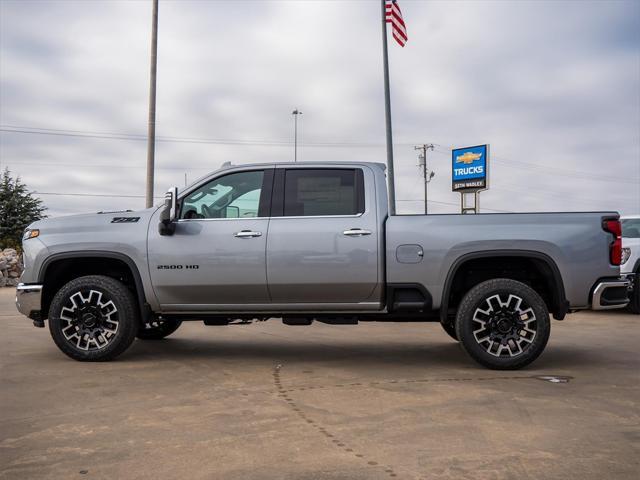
x: 322, y: 247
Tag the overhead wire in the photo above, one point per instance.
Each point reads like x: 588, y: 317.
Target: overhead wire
x: 510, y: 163
x: 90, y: 195
x: 141, y: 137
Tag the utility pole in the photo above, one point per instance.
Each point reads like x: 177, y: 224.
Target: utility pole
x: 422, y: 162
x: 151, y: 135
x: 295, y: 114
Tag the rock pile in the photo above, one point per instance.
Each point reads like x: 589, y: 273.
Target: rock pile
x: 10, y: 267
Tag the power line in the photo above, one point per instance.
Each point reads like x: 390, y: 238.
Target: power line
x: 90, y: 195
x: 545, y: 193
x: 140, y: 137
x: 111, y: 165
x: 509, y: 163
x: 455, y: 205
x: 541, y: 194
x: 134, y: 137
x: 142, y: 196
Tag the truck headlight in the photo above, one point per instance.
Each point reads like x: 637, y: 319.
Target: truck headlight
x: 30, y: 233
x: 626, y: 253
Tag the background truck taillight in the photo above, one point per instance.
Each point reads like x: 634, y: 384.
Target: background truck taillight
x: 612, y: 225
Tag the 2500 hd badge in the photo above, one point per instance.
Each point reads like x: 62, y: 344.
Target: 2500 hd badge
x: 178, y: 267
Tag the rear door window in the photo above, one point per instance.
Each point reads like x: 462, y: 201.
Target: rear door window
x: 323, y: 192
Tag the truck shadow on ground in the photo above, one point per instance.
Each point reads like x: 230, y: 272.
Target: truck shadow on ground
x: 444, y: 354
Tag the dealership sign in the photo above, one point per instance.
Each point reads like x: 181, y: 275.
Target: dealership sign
x: 469, y: 168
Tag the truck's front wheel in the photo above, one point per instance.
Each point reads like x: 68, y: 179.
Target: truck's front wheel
x: 93, y: 318
x: 503, y: 324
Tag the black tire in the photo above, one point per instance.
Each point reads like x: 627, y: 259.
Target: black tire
x: 634, y: 304
x: 503, y: 315
x: 158, y: 329
x: 93, y: 318
x: 450, y: 328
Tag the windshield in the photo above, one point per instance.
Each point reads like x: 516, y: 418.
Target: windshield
x: 631, y: 228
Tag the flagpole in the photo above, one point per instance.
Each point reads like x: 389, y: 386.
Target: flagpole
x: 387, y: 114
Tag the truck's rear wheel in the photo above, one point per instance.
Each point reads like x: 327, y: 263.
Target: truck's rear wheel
x: 450, y: 328
x: 158, y: 328
x: 503, y: 324
x: 93, y: 318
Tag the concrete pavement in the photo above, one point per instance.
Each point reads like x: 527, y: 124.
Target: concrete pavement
x: 269, y: 401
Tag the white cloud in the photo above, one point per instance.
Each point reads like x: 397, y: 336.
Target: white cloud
x: 554, y: 87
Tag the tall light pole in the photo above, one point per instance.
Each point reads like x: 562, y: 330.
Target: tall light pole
x: 295, y: 114
x: 151, y: 135
x: 422, y: 162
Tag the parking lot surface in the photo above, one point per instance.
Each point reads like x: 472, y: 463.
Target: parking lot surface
x: 270, y: 401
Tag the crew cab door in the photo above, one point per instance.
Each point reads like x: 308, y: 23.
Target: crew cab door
x: 322, y: 248
x: 216, y: 256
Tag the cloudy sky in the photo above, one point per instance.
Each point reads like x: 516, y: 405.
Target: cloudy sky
x: 552, y: 86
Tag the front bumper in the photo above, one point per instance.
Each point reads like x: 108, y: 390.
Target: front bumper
x: 28, y: 299
x: 609, y: 294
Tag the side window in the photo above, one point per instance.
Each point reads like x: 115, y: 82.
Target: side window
x: 236, y: 195
x: 631, y: 228
x: 314, y: 192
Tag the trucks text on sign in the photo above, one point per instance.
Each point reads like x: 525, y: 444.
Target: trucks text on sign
x: 469, y: 168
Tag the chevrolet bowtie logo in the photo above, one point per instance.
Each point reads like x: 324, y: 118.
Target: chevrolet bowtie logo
x: 468, y: 157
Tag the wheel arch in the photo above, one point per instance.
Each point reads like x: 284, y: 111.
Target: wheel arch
x: 557, y: 303
x: 87, y: 263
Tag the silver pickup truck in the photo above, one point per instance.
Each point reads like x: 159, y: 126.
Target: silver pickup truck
x: 314, y: 241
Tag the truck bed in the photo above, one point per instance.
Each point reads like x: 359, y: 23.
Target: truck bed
x: 575, y: 242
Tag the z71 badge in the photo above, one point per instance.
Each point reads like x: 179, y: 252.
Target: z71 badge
x: 125, y: 219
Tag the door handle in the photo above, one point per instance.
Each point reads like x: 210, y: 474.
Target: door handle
x: 356, y: 232
x: 247, y: 234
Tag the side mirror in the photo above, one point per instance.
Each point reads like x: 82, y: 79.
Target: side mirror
x: 169, y: 213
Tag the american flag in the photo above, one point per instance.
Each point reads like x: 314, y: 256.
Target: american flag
x: 394, y: 17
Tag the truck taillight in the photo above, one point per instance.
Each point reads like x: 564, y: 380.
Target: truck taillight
x: 615, y: 248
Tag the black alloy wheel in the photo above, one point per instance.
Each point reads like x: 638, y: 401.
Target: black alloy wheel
x: 93, y: 318
x: 503, y: 324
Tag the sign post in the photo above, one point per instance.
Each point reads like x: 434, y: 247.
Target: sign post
x: 469, y: 169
